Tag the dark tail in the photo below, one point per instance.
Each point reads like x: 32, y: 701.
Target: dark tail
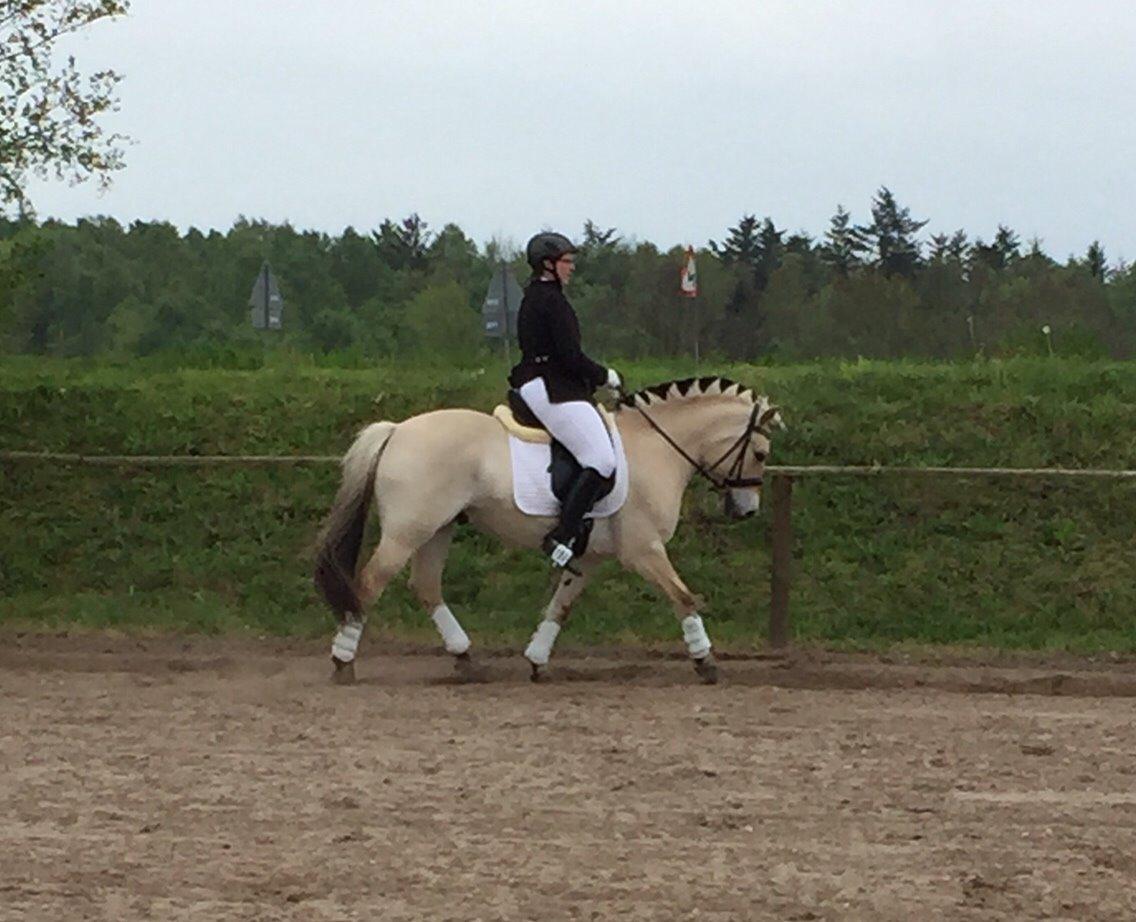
x: 342, y: 534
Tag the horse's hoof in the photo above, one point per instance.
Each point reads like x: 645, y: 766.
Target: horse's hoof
x: 344, y: 672
x: 539, y: 673
x: 707, y: 669
x: 467, y: 670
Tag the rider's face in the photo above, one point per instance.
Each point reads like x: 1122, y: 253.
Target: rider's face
x: 565, y: 266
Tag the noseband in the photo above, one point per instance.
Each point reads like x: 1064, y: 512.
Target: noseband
x: 733, y: 478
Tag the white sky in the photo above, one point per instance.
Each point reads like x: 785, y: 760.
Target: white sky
x: 667, y: 120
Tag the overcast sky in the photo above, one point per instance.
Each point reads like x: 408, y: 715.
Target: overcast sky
x: 667, y: 120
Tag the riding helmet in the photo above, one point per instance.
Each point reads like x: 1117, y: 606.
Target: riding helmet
x: 547, y: 245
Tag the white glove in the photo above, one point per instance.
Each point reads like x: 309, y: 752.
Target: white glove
x: 613, y: 380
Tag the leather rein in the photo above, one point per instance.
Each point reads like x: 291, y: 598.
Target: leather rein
x: 733, y: 478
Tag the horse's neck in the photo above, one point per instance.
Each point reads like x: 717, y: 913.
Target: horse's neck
x: 695, y: 426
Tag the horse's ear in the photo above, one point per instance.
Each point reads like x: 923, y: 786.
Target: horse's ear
x: 771, y: 415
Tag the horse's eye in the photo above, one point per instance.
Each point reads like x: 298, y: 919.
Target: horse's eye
x: 760, y: 455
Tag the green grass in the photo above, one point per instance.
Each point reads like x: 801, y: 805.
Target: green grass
x: 1038, y: 564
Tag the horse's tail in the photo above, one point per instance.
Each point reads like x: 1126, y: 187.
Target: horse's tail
x: 342, y: 535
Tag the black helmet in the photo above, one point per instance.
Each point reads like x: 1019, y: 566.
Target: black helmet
x: 547, y: 245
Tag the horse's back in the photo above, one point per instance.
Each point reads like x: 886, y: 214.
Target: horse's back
x: 450, y: 449
x: 448, y: 426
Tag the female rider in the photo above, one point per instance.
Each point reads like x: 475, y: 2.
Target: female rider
x: 557, y: 382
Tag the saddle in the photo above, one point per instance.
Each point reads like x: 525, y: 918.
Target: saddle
x: 521, y: 422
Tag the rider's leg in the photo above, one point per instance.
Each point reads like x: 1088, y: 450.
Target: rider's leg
x: 579, y: 500
x: 577, y: 425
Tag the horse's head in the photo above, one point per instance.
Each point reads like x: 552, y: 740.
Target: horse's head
x: 721, y: 428
x: 741, y: 468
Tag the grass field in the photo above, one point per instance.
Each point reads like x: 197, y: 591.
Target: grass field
x: 1036, y: 564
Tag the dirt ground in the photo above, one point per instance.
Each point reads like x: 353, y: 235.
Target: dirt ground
x: 207, y: 779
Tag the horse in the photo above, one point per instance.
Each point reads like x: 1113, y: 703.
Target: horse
x: 432, y: 471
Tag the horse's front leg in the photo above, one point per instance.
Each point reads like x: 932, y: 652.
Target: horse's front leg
x: 654, y: 565
x: 539, y: 650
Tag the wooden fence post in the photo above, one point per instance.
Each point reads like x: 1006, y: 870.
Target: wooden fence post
x: 782, y: 561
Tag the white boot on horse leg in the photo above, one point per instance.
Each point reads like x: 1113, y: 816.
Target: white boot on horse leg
x: 698, y: 646
x: 343, y: 650
x: 655, y: 566
x: 426, y: 581
x: 384, y: 564
x: 539, y: 650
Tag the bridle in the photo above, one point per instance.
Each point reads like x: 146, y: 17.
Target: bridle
x: 733, y: 478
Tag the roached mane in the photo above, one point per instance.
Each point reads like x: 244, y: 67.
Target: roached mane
x: 689, y: 387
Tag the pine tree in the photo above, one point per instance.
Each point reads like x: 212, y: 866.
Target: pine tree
x: 596, y: 237
x: 949, y: 248
x: 770, y: 251
x: 844, y: 243
x: 1095, y: 261
x: 1008, y: 245
x: 743, y: 245
x: 892, y: 233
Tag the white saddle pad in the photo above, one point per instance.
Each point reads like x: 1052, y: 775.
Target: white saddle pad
x: 532, y: 483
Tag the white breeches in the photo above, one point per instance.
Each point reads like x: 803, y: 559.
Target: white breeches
x: 576, y: 424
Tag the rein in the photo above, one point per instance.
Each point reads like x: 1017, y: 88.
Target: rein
x: 733, y: 478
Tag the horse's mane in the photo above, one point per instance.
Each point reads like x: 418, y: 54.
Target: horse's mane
x: 689, y: 387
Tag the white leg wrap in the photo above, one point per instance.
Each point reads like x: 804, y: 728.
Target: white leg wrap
x: 347, y: 641
x: 455, y: 639
x: 539, y: 649
x: 694, y: 633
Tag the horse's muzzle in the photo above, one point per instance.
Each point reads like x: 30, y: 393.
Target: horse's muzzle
x: 742, y: 504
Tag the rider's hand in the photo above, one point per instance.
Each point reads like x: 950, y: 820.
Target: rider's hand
x: 614, y: 381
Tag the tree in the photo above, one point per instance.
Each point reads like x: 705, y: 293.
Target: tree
x: 404, y: 245
x: 999, y: 255
x: 844, y: 243
x: 770, y: 250
x: 742, y: 245
x: 356, y: 266
x: 604, y: 260
x: 1095, y: 261
x: 49, y: 113
x: 453, y: 255
x: 1008, y: 245
x: 949, y: 247
x: 597, y: 237
x: 442, y: 324
x: 893, y: 233
x: 758, y: 246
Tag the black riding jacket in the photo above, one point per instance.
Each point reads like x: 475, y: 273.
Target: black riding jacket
x: 549, y: 335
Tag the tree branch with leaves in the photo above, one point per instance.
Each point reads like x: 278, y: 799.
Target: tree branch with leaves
x: 49, y: 111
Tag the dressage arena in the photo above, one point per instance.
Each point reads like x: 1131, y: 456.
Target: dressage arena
x: 228, y: 779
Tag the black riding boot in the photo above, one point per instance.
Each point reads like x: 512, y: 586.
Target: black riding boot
x: 580, y: 499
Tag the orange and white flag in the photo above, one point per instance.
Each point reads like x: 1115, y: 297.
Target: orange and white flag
x: 688, y: 280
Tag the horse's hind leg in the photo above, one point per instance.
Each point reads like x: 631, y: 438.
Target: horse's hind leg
x: 389, y: 557
x: 426, y: 582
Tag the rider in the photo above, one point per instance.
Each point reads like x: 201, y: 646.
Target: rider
x: 557, y: 382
